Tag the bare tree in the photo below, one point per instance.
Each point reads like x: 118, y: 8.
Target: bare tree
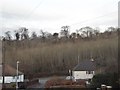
x: 87, y: 31
x: 17, y: 35
x: 34, y: 35
x: 78, y: 31
x: 8, y: 35
x: 24, y: 34
x: 55, y: 35
x: 48, y: 35
x: 111, y: 29
x: 42, y: 33
x: 65, y: 31
x: 45, y: 35
x: 96, y: 31
x: 74, y: 35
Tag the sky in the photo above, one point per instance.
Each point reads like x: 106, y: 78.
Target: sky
x: 50, y: 15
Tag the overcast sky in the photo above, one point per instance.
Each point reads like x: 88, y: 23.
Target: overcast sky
x: 50, y: 15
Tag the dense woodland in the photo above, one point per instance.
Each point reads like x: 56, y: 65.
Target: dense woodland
x: 58, y: 52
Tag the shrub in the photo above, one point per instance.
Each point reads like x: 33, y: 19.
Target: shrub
x: 107, y: 79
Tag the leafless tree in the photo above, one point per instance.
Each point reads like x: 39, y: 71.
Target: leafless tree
x: 87, y: 31
x: 24, y: 33
x: 65, y: 31
x: 8, y: 35
x: 17, y: 34
x: 45, y: 35
x: 111, y: 29
x: 96, y: 31
x: 48, y: 35
x: 42, y: 33
x: 74, y: 35
x: 34, y: 35
x: 55, y: 35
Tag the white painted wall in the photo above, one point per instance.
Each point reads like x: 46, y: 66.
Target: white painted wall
x: 82, y: 75
x: 9, y: 79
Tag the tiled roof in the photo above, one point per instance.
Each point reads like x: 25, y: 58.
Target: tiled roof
x: 9, y: 71
x: 86, y: 65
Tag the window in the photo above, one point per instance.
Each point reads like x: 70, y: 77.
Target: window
x: 14, y: 77
x: 89, y: 72
x: 17, y: 77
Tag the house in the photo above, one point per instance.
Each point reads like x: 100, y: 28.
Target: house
x: 84, y: 70
x: 10, y: 75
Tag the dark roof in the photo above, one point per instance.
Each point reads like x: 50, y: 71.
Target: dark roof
x: 9, y: 70
x: 86, y: 65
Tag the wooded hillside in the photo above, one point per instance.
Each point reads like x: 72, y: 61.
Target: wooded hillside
x: 37, y: 56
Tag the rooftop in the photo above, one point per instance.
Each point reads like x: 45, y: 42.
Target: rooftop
x: 86, y: 65
x: 9, y: 70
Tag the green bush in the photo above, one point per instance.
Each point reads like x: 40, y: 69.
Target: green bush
x: 107, y: 79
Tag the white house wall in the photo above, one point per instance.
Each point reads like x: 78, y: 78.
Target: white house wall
x: 9, y: 79
x: 82, y: 75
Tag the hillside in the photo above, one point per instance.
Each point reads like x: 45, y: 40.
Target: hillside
x: 45, y: 57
